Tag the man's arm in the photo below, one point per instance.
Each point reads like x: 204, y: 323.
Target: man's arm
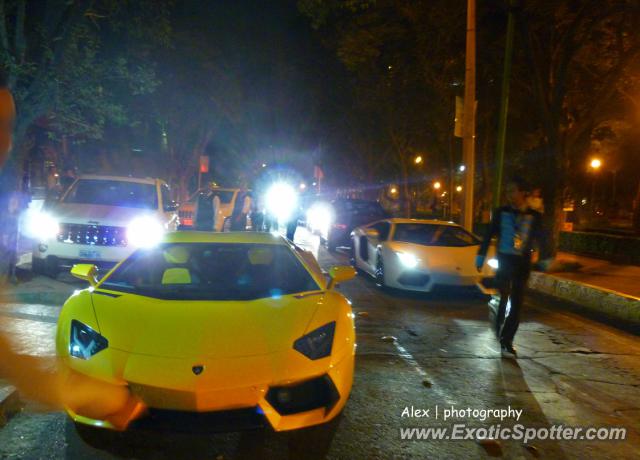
x: 494, y: 228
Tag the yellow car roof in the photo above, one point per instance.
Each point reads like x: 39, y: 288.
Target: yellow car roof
x: 224, y: 237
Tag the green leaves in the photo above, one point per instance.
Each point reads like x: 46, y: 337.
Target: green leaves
x: 84, y: 62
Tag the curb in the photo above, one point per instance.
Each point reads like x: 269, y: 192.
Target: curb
x: 598, y: 299
x: 9, y: 403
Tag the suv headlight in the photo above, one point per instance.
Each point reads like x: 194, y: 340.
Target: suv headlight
x: 85, y: 342
x: 144, y: 232
x: 317, y: 343
x: 42, y: 226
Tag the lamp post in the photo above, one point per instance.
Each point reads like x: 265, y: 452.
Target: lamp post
x: 595, y: 164
x: 469, y: 121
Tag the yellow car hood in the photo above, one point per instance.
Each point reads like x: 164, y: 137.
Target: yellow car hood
x: 214, y: 329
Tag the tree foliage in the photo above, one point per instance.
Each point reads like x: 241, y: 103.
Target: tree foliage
x: 75, y: 65
x: 580, y: 55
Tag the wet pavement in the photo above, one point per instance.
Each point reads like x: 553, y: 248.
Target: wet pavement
x: 413, y: 350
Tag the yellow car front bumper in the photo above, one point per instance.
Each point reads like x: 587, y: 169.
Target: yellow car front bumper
x: 328, y: 385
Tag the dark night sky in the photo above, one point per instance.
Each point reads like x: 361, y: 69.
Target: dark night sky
x: 291, y: 81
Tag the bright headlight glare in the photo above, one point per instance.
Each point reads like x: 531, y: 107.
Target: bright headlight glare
x: 145, y: 232
x: 42, y: 226
x: 319, y: 218
x: 493, y: 263
x: 407, y: 259
x: 317, y: 343
x: 84, y: 341
x: 281, y: 200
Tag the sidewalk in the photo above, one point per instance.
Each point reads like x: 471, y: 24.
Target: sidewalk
x: 620, y: 278
x: 595, y: 284
x: 40, y: 289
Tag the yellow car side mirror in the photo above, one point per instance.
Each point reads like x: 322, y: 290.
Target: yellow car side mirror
x: 85, y: 272
x: 340, y: 273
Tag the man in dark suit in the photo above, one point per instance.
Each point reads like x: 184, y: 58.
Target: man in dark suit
x: 518, y: 228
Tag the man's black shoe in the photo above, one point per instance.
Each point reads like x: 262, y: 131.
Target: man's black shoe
x: 508, y: 348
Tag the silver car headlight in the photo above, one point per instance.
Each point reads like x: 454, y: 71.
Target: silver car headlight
x: 407, y: 259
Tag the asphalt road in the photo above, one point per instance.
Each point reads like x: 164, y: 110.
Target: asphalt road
x: 570, y: 371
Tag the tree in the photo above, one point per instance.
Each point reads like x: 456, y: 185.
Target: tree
x: 74, y: 65
x: 578, y: 55
x: 405, y: 61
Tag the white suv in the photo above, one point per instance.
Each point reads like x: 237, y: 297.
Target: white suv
x: 101, y: 219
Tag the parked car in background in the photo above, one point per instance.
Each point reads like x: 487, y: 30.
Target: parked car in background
x: 228, y: 196
x: 100, y: 219
x: 334, y: 221
x: 417, y: 255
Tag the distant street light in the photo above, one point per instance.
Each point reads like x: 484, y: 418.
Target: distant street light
x: 459, y: 188
x: 393, y: 190
x: 595, y: 165
x: 264, y: 165
x: 418, y: 160
x: 437, y: 185
x: 462, y: 168
x: 303, y: 186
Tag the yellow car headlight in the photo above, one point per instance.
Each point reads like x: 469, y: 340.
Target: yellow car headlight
x: 85, y: 342
x: 317, y: 343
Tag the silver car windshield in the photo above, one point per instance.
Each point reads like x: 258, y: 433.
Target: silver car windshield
x: 434, y: 235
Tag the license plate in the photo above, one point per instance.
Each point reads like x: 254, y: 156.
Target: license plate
x: 89, y: 254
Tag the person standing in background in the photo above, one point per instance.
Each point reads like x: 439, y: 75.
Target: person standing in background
x: 241, y: 209
x: 67, y: 178
x: 518, y: 228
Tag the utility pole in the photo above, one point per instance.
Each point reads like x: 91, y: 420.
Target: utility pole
x: 469, y: 126
x: 504, y: 105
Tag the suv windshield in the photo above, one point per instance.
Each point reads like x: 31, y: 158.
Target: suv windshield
x: 212, y: 271
x: 113, y: 193
x: 434, y: 235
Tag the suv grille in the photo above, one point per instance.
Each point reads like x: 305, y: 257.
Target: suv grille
x: 95, y: 235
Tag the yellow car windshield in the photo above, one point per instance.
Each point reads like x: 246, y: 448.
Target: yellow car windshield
x: 212, y: 271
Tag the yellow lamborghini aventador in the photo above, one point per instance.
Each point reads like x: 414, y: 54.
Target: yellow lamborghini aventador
x: 211, y: 323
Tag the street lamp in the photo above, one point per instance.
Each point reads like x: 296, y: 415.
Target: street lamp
x: 417, y: 160
x: 595, y: 165
x: 459, y: 188
x: 437, y: 185
x: 462, y: 168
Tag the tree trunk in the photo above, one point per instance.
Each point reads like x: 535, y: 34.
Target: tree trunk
x: 636, y: 211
